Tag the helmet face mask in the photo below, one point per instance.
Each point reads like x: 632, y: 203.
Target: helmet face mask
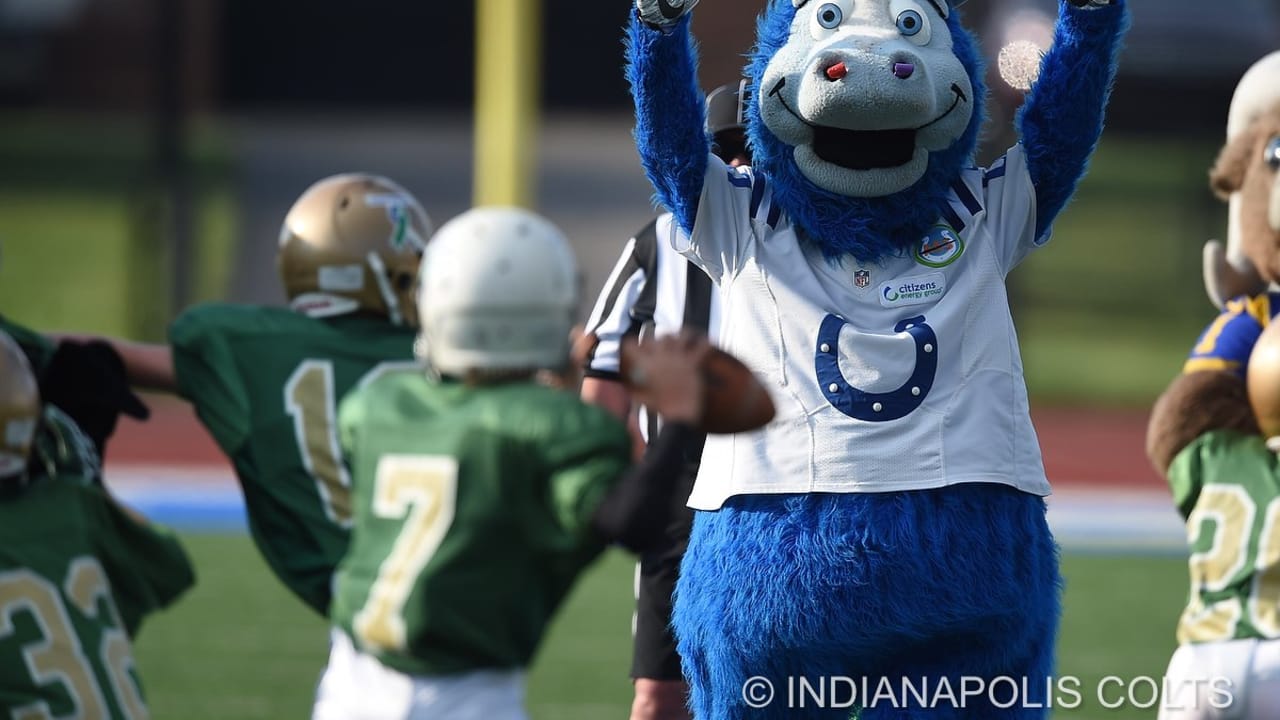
x: 353, y: 242
x: 498, y: 293
x: 19, y: 409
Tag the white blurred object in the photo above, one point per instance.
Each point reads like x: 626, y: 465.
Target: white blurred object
x: 1256, y: 93
x: 38, y: 14
x: 1019, y: 64
x: 1024, y: 35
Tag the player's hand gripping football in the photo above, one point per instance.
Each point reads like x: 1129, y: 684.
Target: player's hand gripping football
x: 665, y: 375
x: 685, y: 378
x: 663, y: 13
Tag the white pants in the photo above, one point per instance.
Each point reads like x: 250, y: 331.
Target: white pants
x: 1234, y: 680
x: 355, y: 686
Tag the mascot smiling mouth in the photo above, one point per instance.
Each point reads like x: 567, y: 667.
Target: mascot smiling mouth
x: 865, y: 149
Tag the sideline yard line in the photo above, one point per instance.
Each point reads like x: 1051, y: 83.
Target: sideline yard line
x: 1143, y: 521
x: 207, y: 499
x: 189, y: 498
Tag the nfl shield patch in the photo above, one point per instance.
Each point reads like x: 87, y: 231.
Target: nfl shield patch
x: 862, y: 278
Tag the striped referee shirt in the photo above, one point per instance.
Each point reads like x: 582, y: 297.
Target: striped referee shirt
x: 652, y: 291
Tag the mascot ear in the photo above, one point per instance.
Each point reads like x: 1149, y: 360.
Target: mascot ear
x: 1227, y: 175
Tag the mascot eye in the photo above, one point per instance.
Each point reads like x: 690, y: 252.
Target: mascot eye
x: 1272, y: 153
x: 910, y: 23
x: 830, y: 16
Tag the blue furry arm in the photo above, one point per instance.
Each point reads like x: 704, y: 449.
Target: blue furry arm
x: 662, y: 68
x: 1062, y: 119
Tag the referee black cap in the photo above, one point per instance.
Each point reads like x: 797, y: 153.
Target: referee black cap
x: 727, y: 107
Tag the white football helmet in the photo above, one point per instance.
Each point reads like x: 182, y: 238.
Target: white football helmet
x: 498, y: 291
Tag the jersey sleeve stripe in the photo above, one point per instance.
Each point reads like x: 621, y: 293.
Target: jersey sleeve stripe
x: 1203, y: 364
x: 757, y: 195
x: 738, y: 179
x: 638, y: 263
x: 953, y: 218
x: 617, y: 310
x: 697, y: 299
x: 966, y: 197
x: 625, y: 275
x: 775, y: 213
x: 610, y: 375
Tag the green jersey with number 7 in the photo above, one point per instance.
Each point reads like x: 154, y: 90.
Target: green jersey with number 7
x: 462, y: 494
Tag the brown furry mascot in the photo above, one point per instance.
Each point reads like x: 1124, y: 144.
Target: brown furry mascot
x: 1215, y: 432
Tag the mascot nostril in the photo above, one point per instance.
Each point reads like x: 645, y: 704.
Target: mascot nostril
x: 861, y: 260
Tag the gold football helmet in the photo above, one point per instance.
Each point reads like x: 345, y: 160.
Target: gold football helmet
x: 353, y: 242
x: 19, y: 408
x: 1264, y: 384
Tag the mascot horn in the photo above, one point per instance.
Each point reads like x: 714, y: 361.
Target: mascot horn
x: 888, y: 526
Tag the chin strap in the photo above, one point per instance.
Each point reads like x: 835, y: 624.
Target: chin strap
x: 384, y: 288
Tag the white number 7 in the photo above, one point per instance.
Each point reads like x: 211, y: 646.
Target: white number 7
x: 423, y: 490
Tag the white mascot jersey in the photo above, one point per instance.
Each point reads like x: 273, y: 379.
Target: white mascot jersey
x: 902, y: 375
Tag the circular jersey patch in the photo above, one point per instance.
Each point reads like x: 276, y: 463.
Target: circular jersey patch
x: 940, y: 247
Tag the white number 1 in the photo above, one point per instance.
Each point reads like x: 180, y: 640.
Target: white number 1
x: 311, y: 400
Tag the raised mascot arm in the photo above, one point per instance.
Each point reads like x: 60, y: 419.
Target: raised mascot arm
x: 1062, y: 119
x: 662, y: 67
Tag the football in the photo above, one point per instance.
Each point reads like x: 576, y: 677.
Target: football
x: 734, y: 400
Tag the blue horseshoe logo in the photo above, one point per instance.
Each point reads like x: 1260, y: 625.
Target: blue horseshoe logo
x: 876, y: 407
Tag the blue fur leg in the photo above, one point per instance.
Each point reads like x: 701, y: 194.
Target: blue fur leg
x: 1063, y: 116
x: 958, y: 581
x: 1004, y: 674
x: 662, y: 68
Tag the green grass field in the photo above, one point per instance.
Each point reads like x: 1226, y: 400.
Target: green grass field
x: 238, y: 647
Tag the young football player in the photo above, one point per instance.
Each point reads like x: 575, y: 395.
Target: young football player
x: 265, y: 381
x: 480, y: 495
x: 77, y: 571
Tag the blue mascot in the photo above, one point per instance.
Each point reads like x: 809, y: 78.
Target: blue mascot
x: 887, y: 530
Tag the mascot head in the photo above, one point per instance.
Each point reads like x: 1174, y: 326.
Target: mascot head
x: 1247, y: 176
x: 865, y: 113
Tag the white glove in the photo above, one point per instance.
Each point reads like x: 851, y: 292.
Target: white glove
x: 663, y: 13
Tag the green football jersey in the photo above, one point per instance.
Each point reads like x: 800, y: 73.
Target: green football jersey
x: 473, y: 509
x: 77, y: 575
x: 37, y: 347
x: 266, y: 382
x: 1227, y: 488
